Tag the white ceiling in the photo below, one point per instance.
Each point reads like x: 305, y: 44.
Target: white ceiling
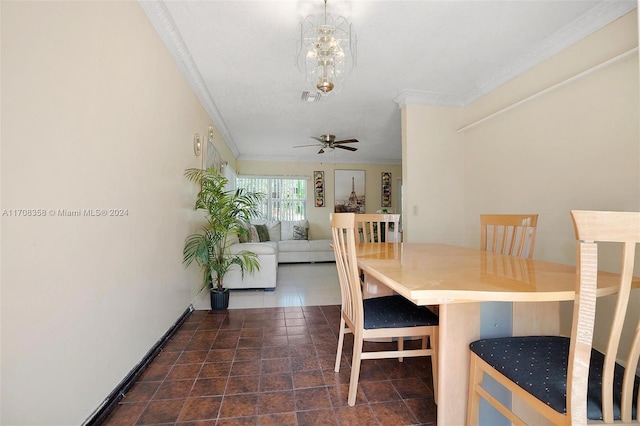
x: 238, y: 56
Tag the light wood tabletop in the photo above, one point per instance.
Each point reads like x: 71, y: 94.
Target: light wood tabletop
x: 458, y: 279
x: 431, y: 274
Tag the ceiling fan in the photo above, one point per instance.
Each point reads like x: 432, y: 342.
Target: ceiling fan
x: 330, y: 142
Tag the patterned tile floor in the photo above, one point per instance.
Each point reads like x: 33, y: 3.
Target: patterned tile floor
x: 272, y: 366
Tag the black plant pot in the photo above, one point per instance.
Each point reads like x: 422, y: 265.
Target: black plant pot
x: 219, y: 299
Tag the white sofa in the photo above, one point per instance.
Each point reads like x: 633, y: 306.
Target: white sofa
x: 282, y: 248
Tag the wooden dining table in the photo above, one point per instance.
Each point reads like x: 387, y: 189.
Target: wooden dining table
x: 459, y: 281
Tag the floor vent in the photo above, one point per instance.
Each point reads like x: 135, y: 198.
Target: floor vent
x: 103, y: 411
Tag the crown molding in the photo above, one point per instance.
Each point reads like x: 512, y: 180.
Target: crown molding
x: 157, y: 12
x: 597, y: 17
x: 316, y: 158
x: 605, y: 12
x: 425, y: 97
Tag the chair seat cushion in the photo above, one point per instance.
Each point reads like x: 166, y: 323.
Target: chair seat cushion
x: 395, y: 311
x: 538, y: 364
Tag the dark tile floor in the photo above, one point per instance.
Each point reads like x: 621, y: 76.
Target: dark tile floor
x: 272, y: 366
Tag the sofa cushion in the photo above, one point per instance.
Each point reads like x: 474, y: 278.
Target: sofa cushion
x: 320, y: 245
x: 245, y: 238
x: 305, y: 245
x: 293, y: 245
x: 286, y: 231
x: 300, y: 233
x: 269, y: 247
x: 233, y: 239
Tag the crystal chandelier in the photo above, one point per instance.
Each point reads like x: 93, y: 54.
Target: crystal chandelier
x: 326, y: 50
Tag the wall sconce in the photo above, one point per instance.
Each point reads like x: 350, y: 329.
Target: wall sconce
x: 197, y: 144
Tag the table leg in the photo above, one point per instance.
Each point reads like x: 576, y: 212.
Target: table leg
x: 459, y: 326
x: 532, y: 319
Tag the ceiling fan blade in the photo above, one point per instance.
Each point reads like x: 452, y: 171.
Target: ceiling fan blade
x: 317, y: 138
x: 301, y: 146
x: 349, y: 148
x: 347, y: 141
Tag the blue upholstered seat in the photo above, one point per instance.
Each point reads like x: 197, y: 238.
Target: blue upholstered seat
x: 384, y: 317
x: 394, y: 312
x: 538, y: 364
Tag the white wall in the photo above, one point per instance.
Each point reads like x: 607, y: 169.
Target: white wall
x: 95, y: 115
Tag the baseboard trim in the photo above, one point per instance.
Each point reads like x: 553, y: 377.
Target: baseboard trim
x: 103, y: 411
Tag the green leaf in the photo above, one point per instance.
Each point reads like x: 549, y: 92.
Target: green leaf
x: 226, y: 213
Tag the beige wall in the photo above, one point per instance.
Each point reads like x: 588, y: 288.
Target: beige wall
x: 318, y: 217
x: 576, y: 147
x: 573, y: 148
x: 433, y: 170
x: 95, y: 115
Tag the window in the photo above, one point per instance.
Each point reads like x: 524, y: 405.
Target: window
x: 286, y: 197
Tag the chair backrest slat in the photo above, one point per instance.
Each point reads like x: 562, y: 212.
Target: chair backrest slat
x: 344, y: 247
x: 513, y: 234
x: 592, y: 227
x: 368, y: 226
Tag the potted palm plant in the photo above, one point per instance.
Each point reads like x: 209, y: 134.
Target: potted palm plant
x: 226, y: 213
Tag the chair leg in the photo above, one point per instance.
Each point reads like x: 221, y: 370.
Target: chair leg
x: 433, y: 343
x: 400, y: 347
x: 473, y: 398
x: 340, y: 343
x: 355, y: 368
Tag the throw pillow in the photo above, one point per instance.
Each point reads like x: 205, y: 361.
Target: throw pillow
x: 274, y: 230
x: 300, y: 233
x: 263, y: 232
x: 287, y: 228
x: 255, y: 238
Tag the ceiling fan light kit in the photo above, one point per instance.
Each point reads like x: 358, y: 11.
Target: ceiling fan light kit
x: 326, y: 50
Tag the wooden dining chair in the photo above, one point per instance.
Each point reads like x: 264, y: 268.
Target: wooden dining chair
x: 513, y: 234
x: 367, y: 228
x: 565, y: 379
x: 377, y: 228
x: 388, y: 316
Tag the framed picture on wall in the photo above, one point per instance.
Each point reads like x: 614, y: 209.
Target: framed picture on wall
x: 385, y: 196
x: 349, y: 191
x: 318, y: 188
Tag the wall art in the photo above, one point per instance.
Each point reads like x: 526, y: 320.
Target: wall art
x: 318, y: 188
x: 349, y: 191
x: 386, y: 189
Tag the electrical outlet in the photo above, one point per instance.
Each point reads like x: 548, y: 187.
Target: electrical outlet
x: 415, y: 209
